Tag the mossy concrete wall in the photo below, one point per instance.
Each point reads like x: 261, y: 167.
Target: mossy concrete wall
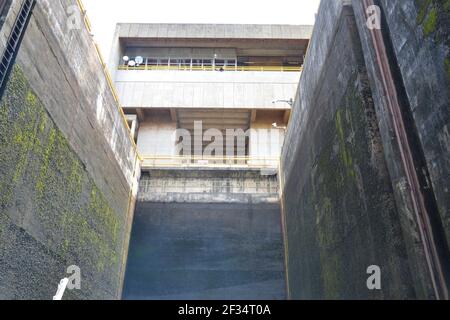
x: 52, y: 213
x: 420, y: 40
x: 341, y: 208
x: 69, y: 172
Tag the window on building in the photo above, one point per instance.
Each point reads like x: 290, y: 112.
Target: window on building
x: 196, y: 63
x: 152, y: 62
x: 207, y: 62
x: 185, y: 63
x: 241, y: 63
x: 174, y: 62
x: 163, y: 62
x: 231, y: 63
x: 220, y: 63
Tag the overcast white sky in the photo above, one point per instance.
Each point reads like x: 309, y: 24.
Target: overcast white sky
x: 104, y: 14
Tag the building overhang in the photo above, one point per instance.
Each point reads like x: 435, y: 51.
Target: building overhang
x: 214, y: 31
x: 246, y: 40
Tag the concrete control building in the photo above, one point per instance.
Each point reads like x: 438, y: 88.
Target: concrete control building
x: 168, y: 76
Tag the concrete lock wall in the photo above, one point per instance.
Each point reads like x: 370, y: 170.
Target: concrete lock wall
x: 68, y: 168
x: 420, y: 48
x: 345, y: 205
x: 206, y: 234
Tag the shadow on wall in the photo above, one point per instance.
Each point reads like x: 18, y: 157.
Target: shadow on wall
x: 345, y: 202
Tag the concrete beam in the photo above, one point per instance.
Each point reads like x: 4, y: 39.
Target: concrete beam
x: 206, y: 116
x: 286, y: 117
x: 216, y: 121
x: 174, y: 115
x: 132, y: 120
x: 253, y: 116
x: 213, y: 31
x: 141, y: 115
x: 217, y: 126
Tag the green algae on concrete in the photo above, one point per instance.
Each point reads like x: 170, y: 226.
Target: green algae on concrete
x: 430, y: 23
x: 447, y: 68
x: 434, y: 17
x: 346, y: 202
x: 46, y: 190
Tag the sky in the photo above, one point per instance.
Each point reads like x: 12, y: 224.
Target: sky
x: 104, y: 14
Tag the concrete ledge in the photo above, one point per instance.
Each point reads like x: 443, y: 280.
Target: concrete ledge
x: 215, y: 31
x: 208, y: 186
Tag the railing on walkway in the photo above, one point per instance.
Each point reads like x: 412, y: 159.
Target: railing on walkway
x: 212, y: 68
x: 151, y: 162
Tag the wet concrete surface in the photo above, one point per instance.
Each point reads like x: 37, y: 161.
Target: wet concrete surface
x: 205, y: 251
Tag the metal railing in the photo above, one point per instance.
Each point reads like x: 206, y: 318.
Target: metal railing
x: 216, y: 68
x: 151, y: 162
